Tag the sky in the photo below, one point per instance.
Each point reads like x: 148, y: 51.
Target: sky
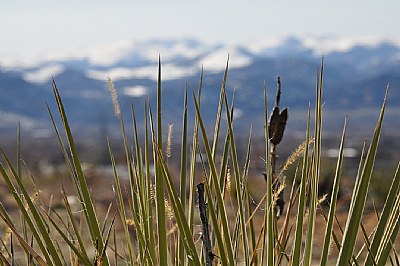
x: 33, y: 28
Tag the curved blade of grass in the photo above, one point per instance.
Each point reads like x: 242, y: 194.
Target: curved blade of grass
x: 332, y: 208
x: 3, y: 211
x: 18, y: 166
x: 65, y: 155
x: 193, y: 159
x: 238, y: 181
x: 390, y: 246
x: 82, y: 256
x: 36, y: 256
x: 359, y: 198
x: 215, y: 226
x: 36, y: 216
x: 178, y: 210
x: 214, y: 178
x: 136, y: 211
x: 390, y: 232
x: 72, y: 220
x: 285, y: 231
x: 121, y: 206
x: 383, y: 219
x: 89, y: 210
x: 248, y: 201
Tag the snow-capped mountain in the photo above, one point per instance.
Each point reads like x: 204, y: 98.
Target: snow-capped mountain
x: 356, y: 74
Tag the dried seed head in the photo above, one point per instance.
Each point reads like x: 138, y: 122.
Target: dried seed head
x: 130, y: 222
x: 228, y: 180
x: 168, y: 209
x: 6, y: 239
x: 169, y: 140
x: 114, y: 97
x: 296, y: 154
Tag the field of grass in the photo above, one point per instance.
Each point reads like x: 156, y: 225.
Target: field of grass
x: 204, y: 213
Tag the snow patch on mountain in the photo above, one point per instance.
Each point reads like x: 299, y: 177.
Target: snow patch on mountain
x: 135, y: 91
x: 169, y: 72
x: 43, y: 74
x: 216, y: 60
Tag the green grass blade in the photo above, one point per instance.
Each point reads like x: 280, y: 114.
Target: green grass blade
x: 178, y: 210
x: 390, y: 246
x: 214, y: 177
x: 72, y: 220
x: 315, y: 169
x: 21, y: 240
x: 183, y: 176
x: 149, y: 188
x: 248, y: 202
x: 268, y: 238
x: 219, y: 111
x: 22, y: 208
x: 42, y: 226
x: 238, y: 181
x: 333, y: 201
x: 359, y: 198
x: 390, y: 232
x: 160, y: 205
x: 215, y: 226
x: 65, y: 155
x: 89, y: 210
x: 296, y: 258
x: 383, y: 219
x: 121, y: 206
x: 193, y: 154
x: 82, y: 256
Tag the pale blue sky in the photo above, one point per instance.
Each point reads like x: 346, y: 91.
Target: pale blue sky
x: 35, y: 27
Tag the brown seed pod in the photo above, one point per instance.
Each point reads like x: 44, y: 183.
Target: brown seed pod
x: 277, y: 123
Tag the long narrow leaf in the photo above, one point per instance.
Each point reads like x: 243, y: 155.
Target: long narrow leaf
x: 359, y: 199
x: 335, y: 192
x: 89, y: 210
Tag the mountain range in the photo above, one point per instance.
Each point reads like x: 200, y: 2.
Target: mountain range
x: 356, y: 74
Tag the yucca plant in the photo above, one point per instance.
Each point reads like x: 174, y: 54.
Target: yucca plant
x: 156, y: 219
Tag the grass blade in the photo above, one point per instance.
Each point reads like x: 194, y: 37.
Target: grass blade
x: 238, y: 181
x: 214, y: 178
x: 359, y: 198
x: 178, y: 210
x: 183, y: 176
x: 160, y: 205
x: 296, y: 258
x: 333, y: 201
x: 90, y: 213
x: 383, y: 220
